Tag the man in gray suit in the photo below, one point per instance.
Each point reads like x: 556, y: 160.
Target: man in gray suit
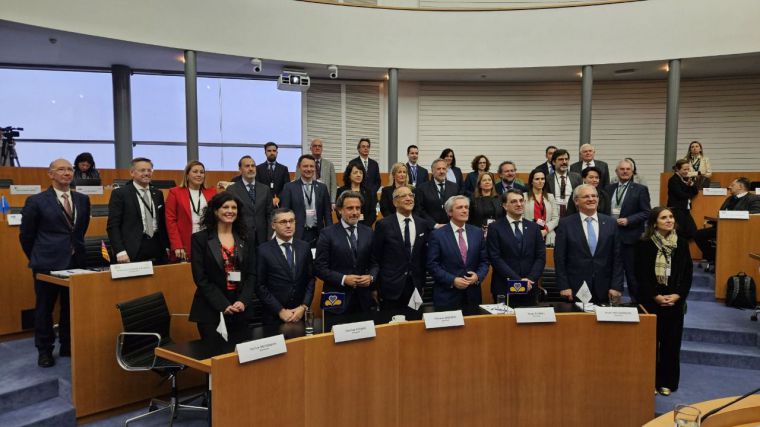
x: 257, y: 201
x: 325, y: 169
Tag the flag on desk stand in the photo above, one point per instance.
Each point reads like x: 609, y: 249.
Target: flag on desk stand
x: 517, y: 287
x: 104, y: 252
x: 332, y: 302
x: 5, y: 208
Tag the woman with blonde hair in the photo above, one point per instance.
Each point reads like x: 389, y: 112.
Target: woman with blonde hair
x: 397, y: 178
x: 699, y: 164
x: 184, y: 209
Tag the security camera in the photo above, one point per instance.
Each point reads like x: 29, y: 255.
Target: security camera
x: 256, y: 62
x: 333, y: 69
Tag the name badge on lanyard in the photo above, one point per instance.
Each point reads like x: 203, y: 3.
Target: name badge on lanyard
x: 233, y: 276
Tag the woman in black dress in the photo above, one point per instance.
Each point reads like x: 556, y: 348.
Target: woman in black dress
x: 84, y: 167
x: 664, y: 272
x: 484, y: 205
x: 681, y: 190
x: 398, y: 178
x: 454, y: 174
x: 355, y: 180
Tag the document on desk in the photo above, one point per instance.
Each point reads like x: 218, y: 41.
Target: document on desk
x: 69, y: 273
x: 131, y: 269
x: 259, y: 349
x: 587, y: 307
x: 443, y: 319
x: 13, y: 219
x: 617, y: 314
x: 354, y: 331
x: 535, y: 315
x: 497, y: 308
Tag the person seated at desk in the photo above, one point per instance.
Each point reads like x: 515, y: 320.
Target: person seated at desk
x: 224, y: 270
x: 284, y: 272
x: 356, y: 180
x: 84, y: 168
x: 739, y: 200
x: 184, y: 207
x: 398, y: 178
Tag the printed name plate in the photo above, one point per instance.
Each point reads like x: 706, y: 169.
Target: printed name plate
x: 14, y: 219
x: 354, y: 331
x: 259, y: 349
x: 617, y: 314
x: 714, y: 191
x: 535, y: 315
x: 25, y: 189
x: 90, y: 189
x: 733, y: 214
x: 132, y: 269
x: 443, y: 319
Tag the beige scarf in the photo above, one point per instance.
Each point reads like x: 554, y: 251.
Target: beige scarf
x: 665, y: 248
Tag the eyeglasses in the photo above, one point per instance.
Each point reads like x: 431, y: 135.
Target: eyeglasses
x: 401, y: 196
x: 285, y: 221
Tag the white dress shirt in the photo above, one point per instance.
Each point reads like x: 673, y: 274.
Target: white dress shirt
x: 412, y: 228
x: 594, y: 223
x: 456, y: 228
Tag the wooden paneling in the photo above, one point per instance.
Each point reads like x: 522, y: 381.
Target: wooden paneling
x: 736, y: 240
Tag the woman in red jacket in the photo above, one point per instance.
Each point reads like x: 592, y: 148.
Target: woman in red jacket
x: 184, y: 209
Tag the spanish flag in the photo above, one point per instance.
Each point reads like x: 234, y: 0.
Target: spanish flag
x: 104, y: 251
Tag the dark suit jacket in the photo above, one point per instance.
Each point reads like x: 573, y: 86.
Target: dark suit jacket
x: 460, y: 179
x: 543, y: 167
x: 484, y: 208
x: 680, y: 278
x: 208, y: 273
x: 497, y: 185
x: 635, y: 208
x: 422, y: 174
x: 575, y: 180
x: 445, y: 264
x: 335, y: 259
x: 369, y: 207
x: 510, y: 260
x: 750, y: 202
x: 292, y: 198
x: 258, y: 217
x: 125, y: 226
x: 277, y: 285
x: 275, y: 181
x: 372, y: 174
x: 603, y: 206
x: 604, y: 180
x: 575, y: 264
x: 386, y: 201
x: 679, y: 193
x: 179, y: 217
x: 395, y: 262
x: 430, y: 205
x: 46, y: 234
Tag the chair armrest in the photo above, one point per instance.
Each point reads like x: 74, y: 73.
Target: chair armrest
x: 120, y: 346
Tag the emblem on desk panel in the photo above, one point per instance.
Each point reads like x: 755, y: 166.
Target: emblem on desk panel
x: 517, y: 287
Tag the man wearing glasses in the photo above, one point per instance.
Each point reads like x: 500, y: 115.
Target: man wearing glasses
x: 400, y: 250
x: 325, y: 170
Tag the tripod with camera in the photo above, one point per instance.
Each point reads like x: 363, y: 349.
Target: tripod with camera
x: 8, y: 155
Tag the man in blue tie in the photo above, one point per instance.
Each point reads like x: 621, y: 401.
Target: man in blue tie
x: 417, y: 174
x: 587, y: 249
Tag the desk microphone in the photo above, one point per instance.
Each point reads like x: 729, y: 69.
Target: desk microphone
x: 720, y: 408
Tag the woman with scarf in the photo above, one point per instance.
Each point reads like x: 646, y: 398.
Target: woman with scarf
x: 699, y: 164
x: 664, y: 272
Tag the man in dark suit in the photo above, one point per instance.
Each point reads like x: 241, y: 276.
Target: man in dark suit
x: 587, y: 153
x: 432, y: 195
x: 509, y: 179
x: 562, y: 181
x: 457, y: 259
x: 344, y: 258
x: 516, y: 250
x: 271, y: 173
x: 401, y: 250
x: 371, y: 168
x: 136, y: 223
x: 417, y: 174
x: 587, y: 249
x: 630, y: 208
x: 53, y: 224
x: 257, y: 201
x: 284, y: 272
x: 740, y: 200
x: 310, y: 200
x: 547, y: 167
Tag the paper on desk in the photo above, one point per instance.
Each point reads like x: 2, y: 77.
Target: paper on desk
x: 222, y: 328
x: 415, y: 301
x: 589, y: 307
x: 584, y: 293
x: 68, y: 273
x: 497, y: 308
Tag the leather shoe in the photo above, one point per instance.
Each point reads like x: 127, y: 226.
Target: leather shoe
x: 45, y: 360
x: 64, y: 351
x: 664, y: 391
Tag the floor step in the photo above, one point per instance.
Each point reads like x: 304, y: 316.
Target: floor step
x: 730, y: 356
x: 740, y: 338
x: 701, y: 294
x: 20, y: 393
x: 56, y: 412
x: 704, y: 281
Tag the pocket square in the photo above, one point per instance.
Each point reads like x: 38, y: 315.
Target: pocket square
x: 421, y: 234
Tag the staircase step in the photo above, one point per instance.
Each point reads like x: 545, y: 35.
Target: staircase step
x: 701, y: 282
x: 20, y: 393
x: 741, y: 338
x: 56, y: 412
x: 701, y: 294
x: 731, y: 356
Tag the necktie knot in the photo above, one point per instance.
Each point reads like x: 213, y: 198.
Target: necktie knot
x: 407, y: 220
x: 286, y: 245
x: 351, y: 229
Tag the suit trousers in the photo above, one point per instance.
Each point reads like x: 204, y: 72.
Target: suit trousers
x: 46, y: 295
x: 151, y: 250
x: 310, y: 236
x: 403, y: 300
x: 702, y: 238
x: 628, y: 253
x: 238, y: 330
x: 669, y: 332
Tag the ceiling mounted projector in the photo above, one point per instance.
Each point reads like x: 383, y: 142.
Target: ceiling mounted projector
x: 295, y: 81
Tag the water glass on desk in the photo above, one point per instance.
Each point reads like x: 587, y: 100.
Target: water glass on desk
x: 686, y: 416
x: 501, y: 300
x: 308, y: 318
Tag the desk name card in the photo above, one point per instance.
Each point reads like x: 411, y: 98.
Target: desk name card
x: 443, y: 319
x: 714, y: 191
x: 131, y: 269
x: 733, y: 214
x: 13, y: 219
x: 354, y: 331
x: 260, y: 349
x: 25, y: 189
x: 535, y: 315
x: 617, y: 314
x: 90, y: 189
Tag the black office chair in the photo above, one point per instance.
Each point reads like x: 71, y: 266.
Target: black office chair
x: 549, y: 292
x: 93, y: 251
x: 98, y: 210
x: 146, y: 323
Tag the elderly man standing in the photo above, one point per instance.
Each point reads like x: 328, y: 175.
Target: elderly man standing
x: 53, y: 224
x: 325, y: 170
x: 587, y: 154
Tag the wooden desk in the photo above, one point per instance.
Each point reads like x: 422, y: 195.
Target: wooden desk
x: 97, y: 381
x: 484, y: 373
x: 736, y: 238
x: 744, y: 413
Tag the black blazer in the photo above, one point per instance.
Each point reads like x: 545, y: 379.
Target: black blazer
x: 386, y: 201
x: 603, y: 206
x: 484, y: 208
x: 430, y: 204
x: 45, y: 232
x: 292, y: 198
x: 681, y: 272
x: 334, y: 259
x: 543, y: 167
x: 575, y: 264
x: 750, y: 202
x: 635, y: 208
x: 575, y: 180
x: 679, y: 193
x: 422, y: 175
x: 257, y: 218
x: 460, y: 179
x: 125, y: 226
x: 210, y: 278
x: 277, y: 285
x: 275, y: 181
x: 510, y: 260
x: 369, y: 207
x: 394, y: 261
x: 372, y: 173
x: 604, y: 180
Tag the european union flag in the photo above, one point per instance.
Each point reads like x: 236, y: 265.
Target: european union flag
x: 517, y: 287
x: 333, y: 302
x: 5, y: 207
